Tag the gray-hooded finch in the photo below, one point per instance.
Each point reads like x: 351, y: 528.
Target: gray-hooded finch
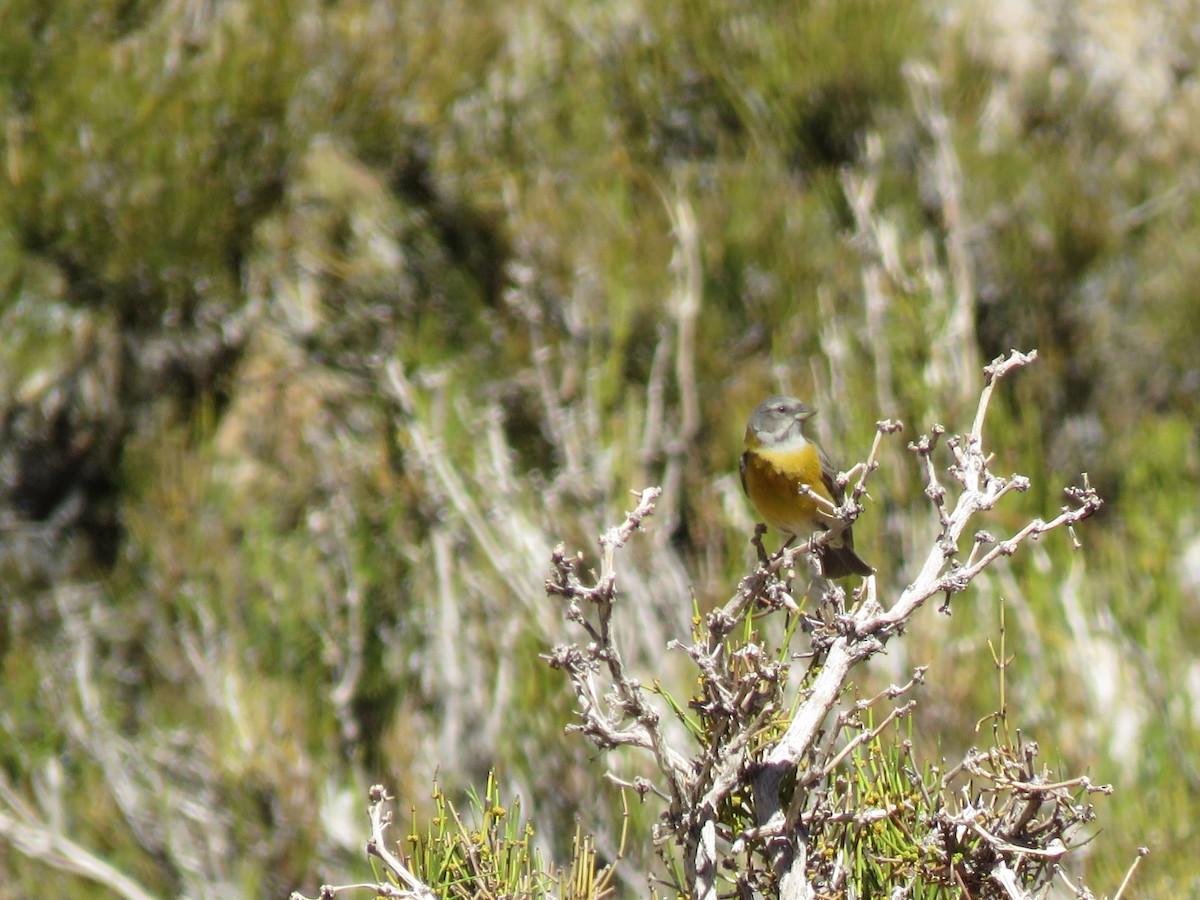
x: 778, y: 459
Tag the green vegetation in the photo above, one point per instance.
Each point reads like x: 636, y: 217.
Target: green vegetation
x: 323, y: 323
x: 494, y: 854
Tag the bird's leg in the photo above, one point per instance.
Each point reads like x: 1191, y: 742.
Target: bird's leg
x: 759, y: 530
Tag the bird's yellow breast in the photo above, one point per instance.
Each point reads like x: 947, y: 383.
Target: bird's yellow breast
x: 772, y: 479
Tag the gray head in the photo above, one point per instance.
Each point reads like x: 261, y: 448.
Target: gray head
x: 778, y: 420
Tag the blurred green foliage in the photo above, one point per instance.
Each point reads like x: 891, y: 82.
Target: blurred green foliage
x: 232, y: 571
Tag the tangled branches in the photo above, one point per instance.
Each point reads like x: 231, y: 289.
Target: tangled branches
x: 778, y: 793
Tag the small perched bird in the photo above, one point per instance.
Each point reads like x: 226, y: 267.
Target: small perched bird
x: 778, y: 460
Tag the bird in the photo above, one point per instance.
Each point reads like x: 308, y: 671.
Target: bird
x: 779, y: 458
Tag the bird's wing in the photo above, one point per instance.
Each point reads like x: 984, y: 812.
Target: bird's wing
x: 742, y: 473
x: 829, y: 479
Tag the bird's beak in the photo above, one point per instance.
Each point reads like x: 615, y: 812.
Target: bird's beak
x: 806, y: 415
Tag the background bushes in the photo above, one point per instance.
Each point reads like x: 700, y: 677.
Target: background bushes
x: 323, y: 323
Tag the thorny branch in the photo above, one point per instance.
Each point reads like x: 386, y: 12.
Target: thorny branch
x: 746, y: 743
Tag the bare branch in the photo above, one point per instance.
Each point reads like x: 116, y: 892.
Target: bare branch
x: 21, y: 826
x: 738, y: 705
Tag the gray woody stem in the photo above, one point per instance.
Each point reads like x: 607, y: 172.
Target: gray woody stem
x: 864, y: 632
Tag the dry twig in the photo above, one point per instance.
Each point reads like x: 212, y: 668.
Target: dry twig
x: 746, y: 746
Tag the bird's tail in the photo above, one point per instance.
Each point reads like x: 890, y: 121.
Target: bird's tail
x: 838, y: 562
